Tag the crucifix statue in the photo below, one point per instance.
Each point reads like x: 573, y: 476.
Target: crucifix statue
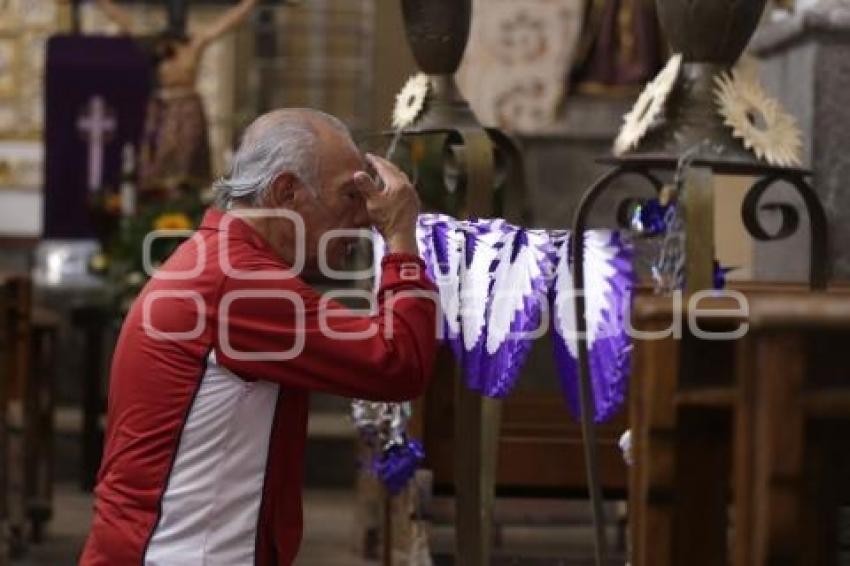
x: 178, y: 12
x: 174, y: 151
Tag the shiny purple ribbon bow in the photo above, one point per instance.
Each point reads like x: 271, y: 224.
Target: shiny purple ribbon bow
x: 396, y: 465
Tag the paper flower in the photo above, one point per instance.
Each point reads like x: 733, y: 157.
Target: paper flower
x: 648, y: 107
x: 410, y: 102
x: 503, y: 294
x: 609, y: 278
x: 758, y: 120
x: 497, y: 284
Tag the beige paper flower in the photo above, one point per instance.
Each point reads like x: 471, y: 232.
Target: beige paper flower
x: 410, y: 101
x: 648, y: 107
x: 758, y: 120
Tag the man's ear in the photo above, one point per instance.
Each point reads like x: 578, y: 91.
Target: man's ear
x: 283, y: 190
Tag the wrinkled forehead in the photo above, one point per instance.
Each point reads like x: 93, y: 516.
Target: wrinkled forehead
x: 340, y: 156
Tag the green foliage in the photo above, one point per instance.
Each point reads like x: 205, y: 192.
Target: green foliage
x: 122, y: 264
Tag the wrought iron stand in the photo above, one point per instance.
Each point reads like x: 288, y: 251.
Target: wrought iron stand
x: 698, y: 267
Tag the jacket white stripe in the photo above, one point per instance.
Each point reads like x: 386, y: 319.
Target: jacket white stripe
x: 212, y: 499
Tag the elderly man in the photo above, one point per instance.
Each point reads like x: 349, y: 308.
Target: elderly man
x: 209, y: 387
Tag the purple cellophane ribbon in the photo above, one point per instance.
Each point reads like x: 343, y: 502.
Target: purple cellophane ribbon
x: 651, y: 218
x: 396, y: 466
x: 720, y: 273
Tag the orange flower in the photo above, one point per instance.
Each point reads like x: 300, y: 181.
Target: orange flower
x: 172, y: 221
x: 112, y: 204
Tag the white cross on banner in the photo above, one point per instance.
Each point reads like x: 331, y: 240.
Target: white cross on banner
x: 96, y: 91
x: 97, y: 124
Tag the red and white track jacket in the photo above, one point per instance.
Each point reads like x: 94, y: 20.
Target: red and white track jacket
x: 206, y: 424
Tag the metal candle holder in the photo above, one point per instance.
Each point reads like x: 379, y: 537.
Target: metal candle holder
x: 485, y: 166
x: 711, y: 36
x: 478, y: 160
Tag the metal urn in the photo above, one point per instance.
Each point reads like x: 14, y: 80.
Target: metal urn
x: 709, y: 31
x: 710, y: 35
x: 438, y: 31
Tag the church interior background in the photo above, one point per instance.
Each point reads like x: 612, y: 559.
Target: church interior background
x: 706, y: 480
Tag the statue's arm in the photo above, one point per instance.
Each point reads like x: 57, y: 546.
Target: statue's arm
x: 117, y: 15
x: 229, y: 20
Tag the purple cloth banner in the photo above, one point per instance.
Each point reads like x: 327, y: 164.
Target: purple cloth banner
x: 96, y: 92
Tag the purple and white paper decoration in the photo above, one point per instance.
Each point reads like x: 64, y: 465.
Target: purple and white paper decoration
x: 447, y: 247
x: 608, y: 286
x: 475, y: 285
x: 516, y: 297
x: 497, y: 281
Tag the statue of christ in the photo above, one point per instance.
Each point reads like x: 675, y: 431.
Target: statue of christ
x: 174, y: 151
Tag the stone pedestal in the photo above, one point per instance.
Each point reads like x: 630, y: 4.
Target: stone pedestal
x: 561, y: 160
x: 806, y: 64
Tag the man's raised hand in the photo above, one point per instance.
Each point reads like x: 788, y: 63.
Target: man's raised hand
x: 393, y: 209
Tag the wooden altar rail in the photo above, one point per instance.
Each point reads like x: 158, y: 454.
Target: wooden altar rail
x: 758, y: 425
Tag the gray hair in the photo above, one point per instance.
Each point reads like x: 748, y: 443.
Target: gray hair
x: 283, y: 141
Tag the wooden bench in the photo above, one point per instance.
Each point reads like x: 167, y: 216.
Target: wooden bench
x: 27, y: 359
x: 741, y: 445
x: 39, y: 410
x: 15, y: 309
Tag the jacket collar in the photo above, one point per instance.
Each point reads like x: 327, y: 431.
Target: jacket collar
x: 223, y: 221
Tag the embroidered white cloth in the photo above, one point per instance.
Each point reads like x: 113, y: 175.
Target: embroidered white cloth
x: 515, y: 67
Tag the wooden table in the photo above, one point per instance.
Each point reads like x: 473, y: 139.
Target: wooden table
x: 758, y: 426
